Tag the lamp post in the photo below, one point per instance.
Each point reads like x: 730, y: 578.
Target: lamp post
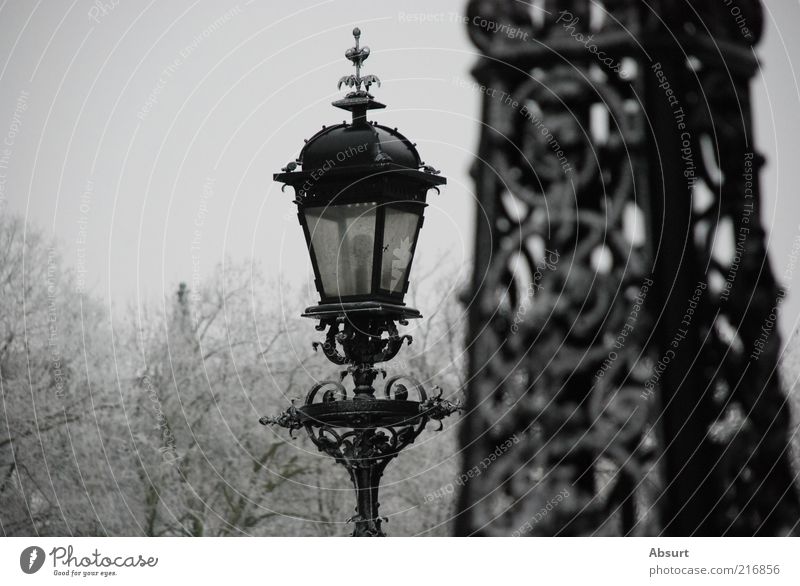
x: 360, y: 190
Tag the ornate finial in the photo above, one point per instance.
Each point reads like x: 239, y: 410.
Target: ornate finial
x: 357, y: 55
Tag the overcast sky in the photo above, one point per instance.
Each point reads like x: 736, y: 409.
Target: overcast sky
x: 144, y: 136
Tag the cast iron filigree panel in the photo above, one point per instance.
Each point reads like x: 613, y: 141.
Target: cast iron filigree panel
x: 606, y: 328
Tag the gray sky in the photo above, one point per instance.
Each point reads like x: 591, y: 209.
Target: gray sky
x: 153, y: 133
x: 144, y: 136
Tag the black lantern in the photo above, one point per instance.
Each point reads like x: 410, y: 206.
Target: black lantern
x: 361, y: 198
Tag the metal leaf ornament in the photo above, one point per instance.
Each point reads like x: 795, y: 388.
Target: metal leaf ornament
x: 348, y: 80
x: 369, y: 80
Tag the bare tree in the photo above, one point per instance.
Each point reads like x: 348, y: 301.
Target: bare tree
x: 149, y: 425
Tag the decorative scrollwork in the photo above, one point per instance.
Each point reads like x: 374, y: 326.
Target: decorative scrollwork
x: 395, y: 389
x: 364, y: 434
x: 333, y: 391
x: 361, y: 341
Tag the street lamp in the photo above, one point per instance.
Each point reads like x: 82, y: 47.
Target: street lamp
x: 360, y: 190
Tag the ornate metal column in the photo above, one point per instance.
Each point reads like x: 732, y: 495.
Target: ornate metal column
x: 622, y: 310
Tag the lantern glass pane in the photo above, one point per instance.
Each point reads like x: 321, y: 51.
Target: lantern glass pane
x: 343, y: 239
x: 399, y: 232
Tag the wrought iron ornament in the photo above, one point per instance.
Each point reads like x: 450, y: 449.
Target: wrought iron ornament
x: 350, y: 171
x: 616, y: 147
x: 365, y: 433
x: 357, y: 55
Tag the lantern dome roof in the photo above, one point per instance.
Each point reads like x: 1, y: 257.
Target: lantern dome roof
x: 357, y: 148
x: 364, y: 143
